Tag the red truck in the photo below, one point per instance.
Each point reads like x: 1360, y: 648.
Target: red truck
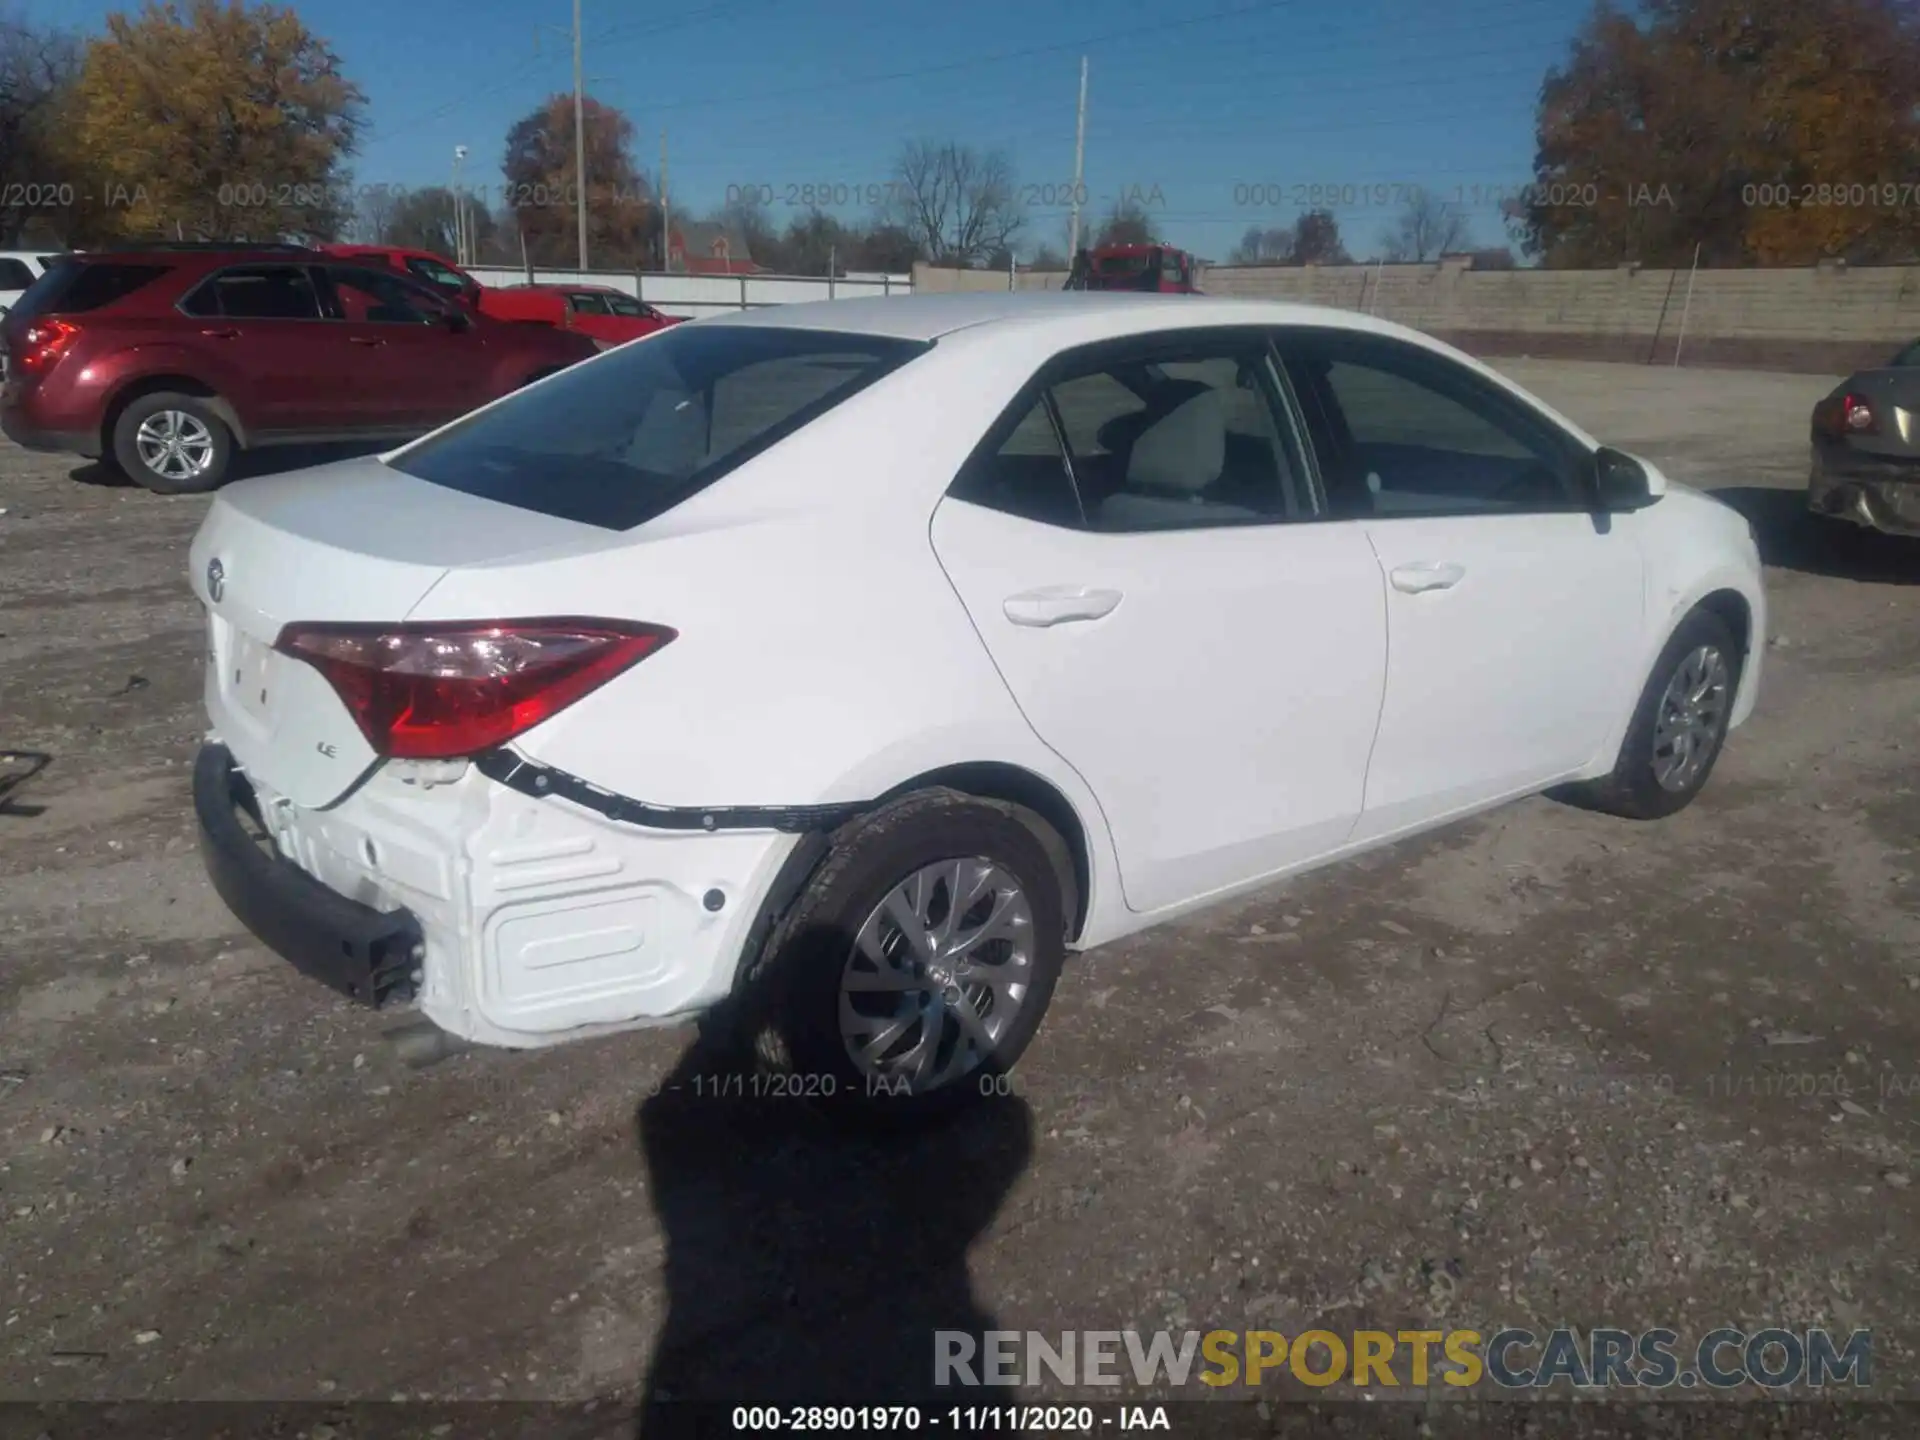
x: 600, y: 312
x: 1154, y: 268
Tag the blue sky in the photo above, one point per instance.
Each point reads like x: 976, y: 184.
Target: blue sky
x: 1211, y: 111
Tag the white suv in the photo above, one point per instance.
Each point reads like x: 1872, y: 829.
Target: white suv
x: 18, y: 270
x: 852, y: 662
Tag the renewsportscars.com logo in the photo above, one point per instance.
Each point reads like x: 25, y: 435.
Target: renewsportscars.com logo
x: 1511, y: 1359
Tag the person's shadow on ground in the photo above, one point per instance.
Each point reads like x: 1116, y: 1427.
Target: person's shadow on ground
x: 805, y: 1264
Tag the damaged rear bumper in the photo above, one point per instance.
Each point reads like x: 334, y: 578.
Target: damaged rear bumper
x: 371, y: 955
x: 515, y: 904
x: 1883, y: 496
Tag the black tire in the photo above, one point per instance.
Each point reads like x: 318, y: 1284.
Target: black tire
x: 792, y: 1005
x: 132, y: 464
x: 1634, y: 790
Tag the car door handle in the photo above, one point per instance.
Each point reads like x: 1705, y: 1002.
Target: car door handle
x: 1059, y: 604
x: 367, y: 340
x: 221, y: 334
x: 1427, y: 575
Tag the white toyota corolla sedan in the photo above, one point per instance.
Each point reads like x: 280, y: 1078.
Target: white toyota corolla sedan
x: 844, y: 665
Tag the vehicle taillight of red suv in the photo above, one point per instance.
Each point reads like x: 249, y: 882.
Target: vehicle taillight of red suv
x: 165, y: 361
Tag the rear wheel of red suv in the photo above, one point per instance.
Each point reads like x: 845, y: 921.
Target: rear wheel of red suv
x: 172, y: 444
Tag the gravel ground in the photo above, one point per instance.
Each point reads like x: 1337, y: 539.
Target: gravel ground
x: 1546, y: 1068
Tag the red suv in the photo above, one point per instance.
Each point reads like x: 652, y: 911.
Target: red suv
x: 167, y: 360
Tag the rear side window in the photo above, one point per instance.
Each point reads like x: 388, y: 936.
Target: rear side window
x: 588, y: 304
x: 619, y: 441
x: 72, y: 287
x: 256, y: 292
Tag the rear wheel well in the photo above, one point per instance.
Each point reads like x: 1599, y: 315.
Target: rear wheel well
x: 1011, y: 785
x: 174, y: 384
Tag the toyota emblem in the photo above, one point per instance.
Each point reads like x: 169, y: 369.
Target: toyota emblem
x: 216, y: 580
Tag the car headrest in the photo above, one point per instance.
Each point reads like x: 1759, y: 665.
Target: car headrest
x: 1185, y: 449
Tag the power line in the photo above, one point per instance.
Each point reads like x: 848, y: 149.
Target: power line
x: 975, y: 62
x: 502, y: 79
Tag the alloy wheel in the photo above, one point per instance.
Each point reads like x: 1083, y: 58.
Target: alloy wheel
x: 175, y: 445
x: 937, y: 974
x: 1692, y: 712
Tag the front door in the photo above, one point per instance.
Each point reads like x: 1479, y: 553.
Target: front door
x: 1130, y: 546
x: 1513, y: 609
x: 418, y: 360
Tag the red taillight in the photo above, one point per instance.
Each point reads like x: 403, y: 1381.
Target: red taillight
x: 426, y: 691
x: 44, y: 342
x: 1847, y: 414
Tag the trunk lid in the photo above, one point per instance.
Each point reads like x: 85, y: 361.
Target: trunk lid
x: 354, y: 542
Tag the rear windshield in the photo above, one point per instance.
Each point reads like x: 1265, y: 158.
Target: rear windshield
x: 71, y: 287
x: 623, y: 439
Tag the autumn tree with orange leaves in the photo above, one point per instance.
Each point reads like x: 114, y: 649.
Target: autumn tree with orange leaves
x: 213, y: 120
x: 1768, y: 132
x: 543, y: 186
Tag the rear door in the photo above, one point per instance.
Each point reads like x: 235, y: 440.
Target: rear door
x: 263, y: 322
x: 1514, y: 611
x: 1133, y: 545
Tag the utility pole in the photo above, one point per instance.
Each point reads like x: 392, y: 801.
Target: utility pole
x: 1687, y: 305
x: 666, y: 225
x: 1079, y: 155
x: 579, y: 137
x: 459, y: 209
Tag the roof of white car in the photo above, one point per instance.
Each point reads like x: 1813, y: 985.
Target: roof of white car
x: 927, y: 317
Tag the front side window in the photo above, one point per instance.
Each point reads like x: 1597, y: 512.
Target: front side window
x: 1908, y: 357
x: 14, y: 275
x: 1408, y: 432
x: 625, y: 438
x: 256, y: 292
x: 372, y: 297
x: 439, y: 276
x: 626, y: 305
x: 1169, y: 439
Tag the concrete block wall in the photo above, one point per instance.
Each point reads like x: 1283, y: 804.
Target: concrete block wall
x: 1817, y: 320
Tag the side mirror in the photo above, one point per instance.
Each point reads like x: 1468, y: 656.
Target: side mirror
x: 1621, y: 482
x: 458, y: 321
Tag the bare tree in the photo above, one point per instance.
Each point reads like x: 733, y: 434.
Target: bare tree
x: 37, y: 72
x: 1427, y: 229
x: 959, y: 205
x: 374, y: 213
x: 1270, y: 246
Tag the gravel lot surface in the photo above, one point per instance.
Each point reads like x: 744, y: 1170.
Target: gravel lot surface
x: 1546, y: 1068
